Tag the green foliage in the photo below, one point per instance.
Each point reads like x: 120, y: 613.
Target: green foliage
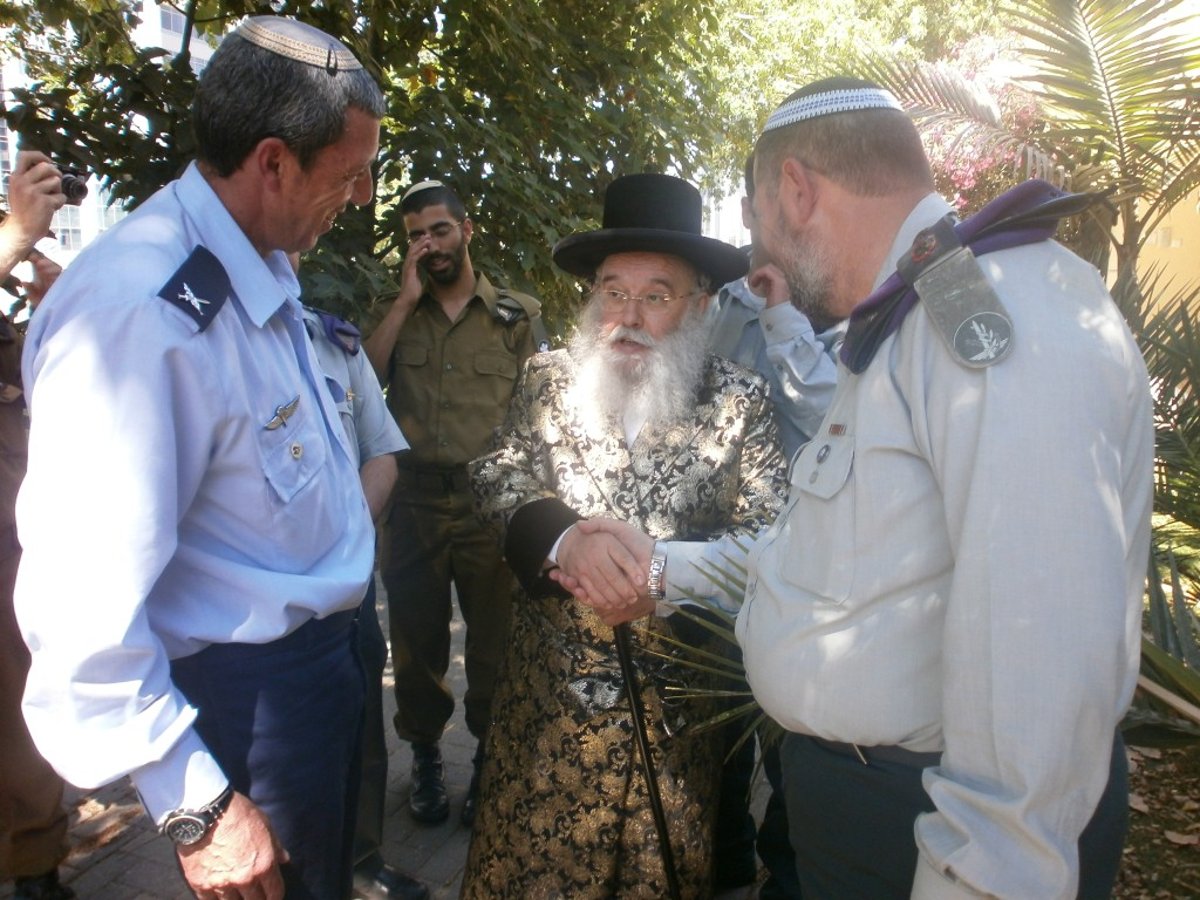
x: 762, y: 50
x: 1115, y: 88
x: 1165, y: 322
x: 1164, y: 319
x: 529, y: 109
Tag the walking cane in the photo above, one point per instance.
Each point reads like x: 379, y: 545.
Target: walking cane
x: 625, y: 656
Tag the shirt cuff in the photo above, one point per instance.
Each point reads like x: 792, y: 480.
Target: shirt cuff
x: 930, y: 884
x: 783, y: 323
x: 187, y: 777
x: 687, y: 561
x: 552, y: 556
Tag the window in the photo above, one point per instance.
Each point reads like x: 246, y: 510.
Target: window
x: 171, y: 20
x: 68, y: 227
x: 109, y: 212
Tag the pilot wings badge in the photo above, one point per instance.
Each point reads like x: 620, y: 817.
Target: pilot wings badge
x: 283, y: 412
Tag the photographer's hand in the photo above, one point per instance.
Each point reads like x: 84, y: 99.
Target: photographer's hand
x: 34, y: 195
x: 45, y: 273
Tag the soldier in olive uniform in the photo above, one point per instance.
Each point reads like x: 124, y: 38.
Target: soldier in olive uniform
x: 449, y: 351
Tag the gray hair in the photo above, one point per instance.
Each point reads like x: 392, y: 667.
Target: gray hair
x: 870, y: 152
x: 247, y: 94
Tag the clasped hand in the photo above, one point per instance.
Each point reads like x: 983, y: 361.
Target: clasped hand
x: 605, y: 564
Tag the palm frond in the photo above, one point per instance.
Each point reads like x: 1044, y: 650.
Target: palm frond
x: 1118, y: 81
x: 1165, y: 320
x: 940, y: 97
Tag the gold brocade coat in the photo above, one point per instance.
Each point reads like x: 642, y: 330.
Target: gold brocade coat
x: 563, y: 808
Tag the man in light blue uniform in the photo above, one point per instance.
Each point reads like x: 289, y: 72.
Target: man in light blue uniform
x: 196, y: 539
x: 375, y: 438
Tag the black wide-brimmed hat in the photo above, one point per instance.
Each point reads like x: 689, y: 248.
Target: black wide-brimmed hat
x: 651, y: 214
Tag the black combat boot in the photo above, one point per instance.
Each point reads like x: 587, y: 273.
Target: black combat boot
x: 428, y: 802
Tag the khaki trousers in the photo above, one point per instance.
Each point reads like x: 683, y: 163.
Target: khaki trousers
x: 33, y: 826
x: 432, y: 538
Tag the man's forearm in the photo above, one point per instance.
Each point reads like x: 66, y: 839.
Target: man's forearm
x: 382, y: 341
x: 14, y: 249
x: 378, y: 476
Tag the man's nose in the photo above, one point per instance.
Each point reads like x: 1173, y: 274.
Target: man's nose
x: 363, y: 191
x: 631, y: 315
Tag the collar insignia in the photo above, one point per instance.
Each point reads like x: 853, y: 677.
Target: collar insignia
x: 201, y: 276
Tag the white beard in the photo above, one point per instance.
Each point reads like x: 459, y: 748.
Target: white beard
x: 659, y: 388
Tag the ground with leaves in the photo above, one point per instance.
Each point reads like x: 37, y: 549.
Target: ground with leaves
x: 1162, y: 852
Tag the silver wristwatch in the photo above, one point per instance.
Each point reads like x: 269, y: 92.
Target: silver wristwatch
x: 187, y: 826
x: 656, y: 583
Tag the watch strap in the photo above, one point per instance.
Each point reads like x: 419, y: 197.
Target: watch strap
x: 207, y: 816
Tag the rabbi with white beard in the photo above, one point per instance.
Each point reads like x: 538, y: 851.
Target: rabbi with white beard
x: 635, y: 422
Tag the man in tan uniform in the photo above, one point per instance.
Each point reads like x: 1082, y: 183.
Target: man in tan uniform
x: 449, y: 351
x: 33, y: 825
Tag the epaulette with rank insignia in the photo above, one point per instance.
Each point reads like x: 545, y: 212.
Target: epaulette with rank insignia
x: 199, y: 287
x: 512, y: 306
x: 961, y: 304
x: 942, y: 270
x: 339, y: 332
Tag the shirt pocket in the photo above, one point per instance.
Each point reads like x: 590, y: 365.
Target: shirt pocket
x: 294, y: 453
x: 499, y: 364
x: 820, y: 554
x: 411, y: 355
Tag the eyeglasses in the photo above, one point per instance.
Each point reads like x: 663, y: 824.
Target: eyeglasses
x: 438, y: 231
x: 613, y: 300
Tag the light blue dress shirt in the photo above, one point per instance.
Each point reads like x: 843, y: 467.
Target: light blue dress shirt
x: 356, y: 392
x: 781, y: 345
x: 166, y: 506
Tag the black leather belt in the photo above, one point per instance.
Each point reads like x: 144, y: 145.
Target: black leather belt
x: 436, y: 479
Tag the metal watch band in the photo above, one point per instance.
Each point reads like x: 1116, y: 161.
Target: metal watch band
x: 656, y: 583
x: 187, y: 826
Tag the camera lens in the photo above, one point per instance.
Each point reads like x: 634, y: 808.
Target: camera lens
x: 74, y: 187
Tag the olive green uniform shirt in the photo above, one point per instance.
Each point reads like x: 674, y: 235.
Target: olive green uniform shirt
x: 449, y: 383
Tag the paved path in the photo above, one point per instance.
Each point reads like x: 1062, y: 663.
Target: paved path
x: 117, y: 855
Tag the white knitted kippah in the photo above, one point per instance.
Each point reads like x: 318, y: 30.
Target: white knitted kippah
x: 420, y: 186
x: 827, y: 102
x: 298, y: 41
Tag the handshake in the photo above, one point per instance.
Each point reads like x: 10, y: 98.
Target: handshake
x: 605, y: 564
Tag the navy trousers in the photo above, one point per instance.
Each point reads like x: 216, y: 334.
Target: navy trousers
x: 284, y: 720
x: 372, y: 648
x: 852, y: 824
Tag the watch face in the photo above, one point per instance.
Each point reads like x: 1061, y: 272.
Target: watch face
x: 186, y: 828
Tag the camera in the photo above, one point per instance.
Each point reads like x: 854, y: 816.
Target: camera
x: 74, y: 185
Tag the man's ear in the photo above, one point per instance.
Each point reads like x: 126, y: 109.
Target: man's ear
x: 272, y: 160
x: 468, y: 228
x: 799, y: 192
